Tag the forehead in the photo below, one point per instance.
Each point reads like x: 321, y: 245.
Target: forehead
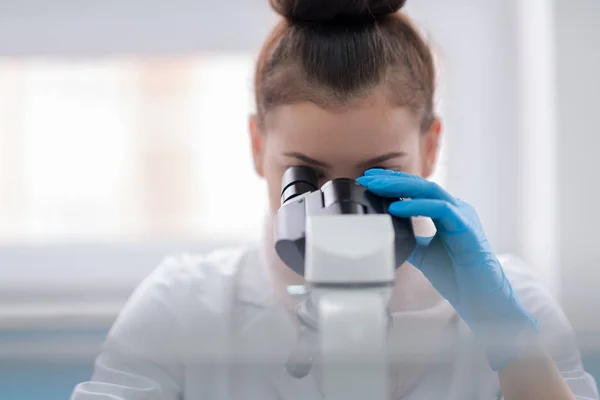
x: 368, y: 126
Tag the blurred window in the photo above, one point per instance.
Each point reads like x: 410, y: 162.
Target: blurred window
x: 128, y: 149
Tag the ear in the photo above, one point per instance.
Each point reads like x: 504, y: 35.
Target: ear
x: 257, y: 144
x: 429, y: 147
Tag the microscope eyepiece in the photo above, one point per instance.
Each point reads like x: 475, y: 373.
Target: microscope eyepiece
x: 340, y: 196
x: 346, y: 195
x: 297, y: 181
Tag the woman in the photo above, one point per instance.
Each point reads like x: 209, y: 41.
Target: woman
x: 345, y: 86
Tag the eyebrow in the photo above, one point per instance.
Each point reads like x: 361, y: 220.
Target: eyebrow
x: 373, y: 161
x: 308, y: 160
x: 381, y: 158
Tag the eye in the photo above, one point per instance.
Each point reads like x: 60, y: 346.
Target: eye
x: 320, y: 174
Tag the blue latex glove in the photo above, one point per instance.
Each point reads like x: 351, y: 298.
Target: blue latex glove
x: 459, y: 262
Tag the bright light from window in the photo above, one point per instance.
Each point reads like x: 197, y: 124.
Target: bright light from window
x: 76, y: 143
x: 123, y: 149
x: 127, y: 149
x: 231, y: 194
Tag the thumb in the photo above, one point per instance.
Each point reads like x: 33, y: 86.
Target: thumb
x: 417, y: 256
x: 434, y: 262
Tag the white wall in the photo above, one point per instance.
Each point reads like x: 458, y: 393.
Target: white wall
x: 537, y: 137
x: 578, y: 68
x: 478, y: 50
x: 131, y: 26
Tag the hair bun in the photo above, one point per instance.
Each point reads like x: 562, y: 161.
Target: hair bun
x: 329, y: 10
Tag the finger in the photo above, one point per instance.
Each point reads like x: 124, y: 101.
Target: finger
x: 404, y: 185
x: 380, y: 171
x: 444, y: 215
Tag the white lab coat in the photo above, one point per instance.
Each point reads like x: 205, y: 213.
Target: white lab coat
x: 208, y: 328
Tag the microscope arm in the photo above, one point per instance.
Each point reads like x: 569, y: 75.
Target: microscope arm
x: 350, y: 265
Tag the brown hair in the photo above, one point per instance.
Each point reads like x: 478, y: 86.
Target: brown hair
x: 331, y: 52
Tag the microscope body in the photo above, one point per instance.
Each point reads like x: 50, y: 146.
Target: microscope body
x: 347, y: 247
x: 350, y: 274
x: 302, y: 200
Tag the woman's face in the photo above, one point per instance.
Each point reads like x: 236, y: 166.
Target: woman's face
x: 341, y: 143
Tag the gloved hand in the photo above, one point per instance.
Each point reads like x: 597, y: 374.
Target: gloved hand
x: 459, y: 262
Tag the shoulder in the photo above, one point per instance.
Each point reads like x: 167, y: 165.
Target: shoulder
x: 182, y: 292
x: 534, y: 295
x: 211, y: 278
x: 556, y: 333
x: 519, y: 273
x: 188, y: 272
x: 193, y: 269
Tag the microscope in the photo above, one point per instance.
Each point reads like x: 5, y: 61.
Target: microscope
x: 341, y: 239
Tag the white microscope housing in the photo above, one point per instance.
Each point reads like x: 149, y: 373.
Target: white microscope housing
x: 350, y: 273
x: 345, y: 244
